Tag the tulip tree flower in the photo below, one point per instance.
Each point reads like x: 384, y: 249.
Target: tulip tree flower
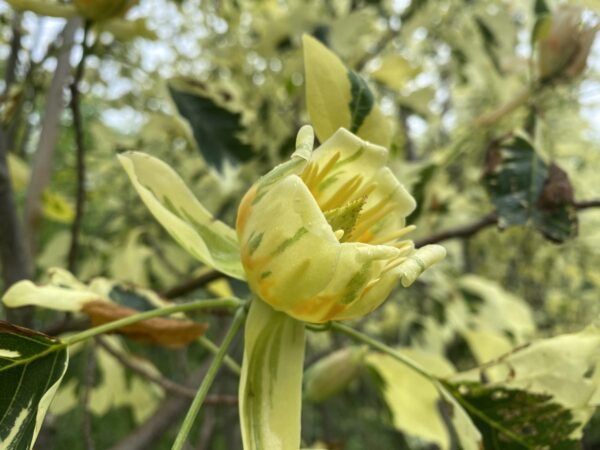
x: 322, y: 238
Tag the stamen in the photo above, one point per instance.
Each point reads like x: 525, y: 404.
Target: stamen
x: 343, y: 193
x: 393, y: 264
x: 404, y: 246
x: 394, y: 235
x: 326, y: 169
x: 339, y: 234
x: 364, y: 225
x: 371, y: 284
x: 309, y: 172
x: 372, y: 210
x: 366, y: 190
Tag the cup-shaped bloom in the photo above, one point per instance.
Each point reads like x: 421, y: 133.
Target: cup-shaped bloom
x: 321, y: 235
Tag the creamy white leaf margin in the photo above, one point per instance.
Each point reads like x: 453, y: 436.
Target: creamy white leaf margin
x: 19, y: 435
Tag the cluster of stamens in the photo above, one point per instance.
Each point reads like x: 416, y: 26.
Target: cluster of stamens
x: 354, y: 188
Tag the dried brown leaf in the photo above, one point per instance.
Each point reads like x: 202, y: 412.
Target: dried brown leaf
x: 159, y: 330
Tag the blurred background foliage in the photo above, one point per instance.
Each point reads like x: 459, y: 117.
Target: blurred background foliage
x: 216, y: 89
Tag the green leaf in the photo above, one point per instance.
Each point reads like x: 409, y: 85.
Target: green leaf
x: 514, y: 419
x: 361, y: 101
x: 183, y: 216
x: 527, y: 190
x: 45, y: 8
x: 539, y: 395
x: 541, y: 8
x: 30, y: 373
x: 215, y: 128
x: 270, y: 387
x: 337, y: 97
x: 541, y: 28
x: 421, y: 407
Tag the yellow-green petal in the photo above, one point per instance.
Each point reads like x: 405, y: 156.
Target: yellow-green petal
x: 289, y: 250
x: 182, y: 215
x: 271, y: 383
x: 418, y: 262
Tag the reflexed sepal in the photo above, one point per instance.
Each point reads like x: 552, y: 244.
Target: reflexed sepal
x: 270, y: 387
x: 183, y: 216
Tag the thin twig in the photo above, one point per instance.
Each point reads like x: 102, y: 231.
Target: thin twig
x: 586, y: 204
x: 143, y: 371
x: 389, y: 35
x: 66, y: 324
x: 209, y: 422
x: 80, y: 147
x: 491, y: 118
x: 13, y: 57
x: 191, y: 285
x: 43, y: 158
x: 14, y: 261
x: 488, y: 220
x: 164, y: 417
x: 459, y: 232
x: 162, y: 381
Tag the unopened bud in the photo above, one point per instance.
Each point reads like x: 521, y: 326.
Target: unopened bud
x: 563, y: 50
x: 332, y: 373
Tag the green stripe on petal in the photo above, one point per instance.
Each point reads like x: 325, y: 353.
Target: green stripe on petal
x: 182, y: 215
x: 270, y: 399
x: 294, y: 231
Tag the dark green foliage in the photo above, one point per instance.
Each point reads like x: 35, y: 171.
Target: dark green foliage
x: 25, y: 378
x: 362, y: 100
x: 513, y: 419
x: 527, y: 190
x: 215, y: 128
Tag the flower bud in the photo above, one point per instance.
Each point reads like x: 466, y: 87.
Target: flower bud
x: 332, y: 373
x: 563, y: 50
x: 321, y: 235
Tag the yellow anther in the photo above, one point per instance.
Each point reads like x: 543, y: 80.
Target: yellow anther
x: 394, y: 235
x: 324, y: 171
x: 339, y: 234
x: 363, y: 225
x: 343, y: 193
x: 309, y: 172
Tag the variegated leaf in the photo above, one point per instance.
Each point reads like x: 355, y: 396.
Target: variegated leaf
x: 31, y: 368
x: 338, y: 97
